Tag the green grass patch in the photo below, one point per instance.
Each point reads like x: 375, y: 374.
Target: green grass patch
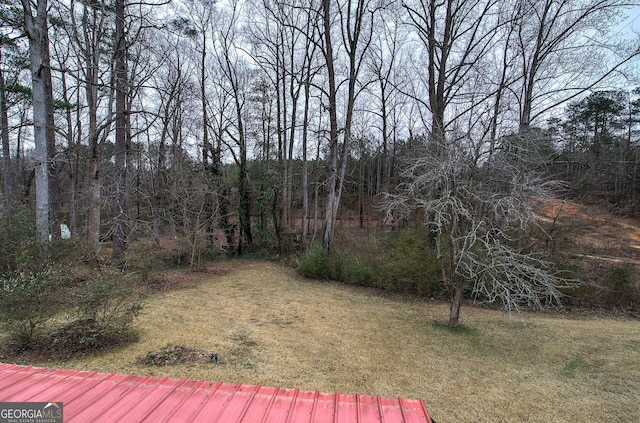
x: 575, y: 366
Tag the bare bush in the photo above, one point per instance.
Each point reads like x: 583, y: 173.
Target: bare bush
x: 481, y: 209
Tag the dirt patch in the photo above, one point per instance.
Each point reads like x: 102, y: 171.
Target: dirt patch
x: 592, y: 233
x: 166, y: 281
x: 604, y: 250
x: 176, y: 354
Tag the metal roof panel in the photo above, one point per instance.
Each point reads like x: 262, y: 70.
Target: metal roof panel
x: 103, y: 397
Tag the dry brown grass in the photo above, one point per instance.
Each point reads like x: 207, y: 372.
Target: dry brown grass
x: 271, y: 327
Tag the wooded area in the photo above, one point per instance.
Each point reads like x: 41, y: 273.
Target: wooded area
x: 258, y: 124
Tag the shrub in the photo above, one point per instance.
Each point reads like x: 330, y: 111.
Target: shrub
x: 17, y: 238
x: 315, y: 264
x: 411, y: 265
x: 621, y: 286
x: 319, y: 264
x: 407, y: 265
x: 101, y: 309
x: 358, y: 272
x: 27, y: 302
x: 106, y: 306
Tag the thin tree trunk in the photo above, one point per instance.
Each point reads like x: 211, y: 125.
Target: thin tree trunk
x: 121, y: 83
x: 285, y: 145
x: 71, y: 146
x: 206, y: 148
x: 279, y: 130
x: 243, y: 186
x: 93, y: 215
x: 383, y: 181
x: 7, y: 165
x: 305, y: 170
x: 54, y: 195
x: 333, y: 130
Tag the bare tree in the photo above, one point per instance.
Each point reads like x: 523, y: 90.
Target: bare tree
x: 455, y: 36
x: 356, y: 29
x: 285, y: 39
x: 564, y: 50
x: 121, y: 87
x: 63, y: 53
x: 235, y: 72
x: 477, y: 208
x: 476, y: 211
x: 383, y: 62
x: 130, y: 72
x: 88, y: 32
x: 308, y: 74
x: 174, y: 85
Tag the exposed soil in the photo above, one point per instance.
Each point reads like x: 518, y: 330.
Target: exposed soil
x: 592, y: 233
x: 176, y: 354
x: 604, y: 247
x: 172, y: 280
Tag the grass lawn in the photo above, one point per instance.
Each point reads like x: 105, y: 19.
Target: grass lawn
x: 272, y: 327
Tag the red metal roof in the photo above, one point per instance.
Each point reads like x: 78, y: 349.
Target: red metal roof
x: 101, y: 397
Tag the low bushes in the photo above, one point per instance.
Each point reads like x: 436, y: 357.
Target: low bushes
x: 622, y: 286
x: 17, y: 238
x: 404, y: 262
x: 106, y: 306
x: 49, y: 311
x: 411, y: 265
x: 319, y: 264
x: 28, y: 301
x: 611, y: 287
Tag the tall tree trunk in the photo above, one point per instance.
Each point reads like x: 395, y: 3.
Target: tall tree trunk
x: 160, y: 185
x: 244, y: 206
x: 383, y: 174
x: 279, y: 132
x: 333, y: 130
x: 73, y: 176
x: 305, y: 170
x: 294, y: 110
x: 351, y: 31
x: 36, y: 29
x: 7, y: 165
x: 284, y: 224
x: 121, y: 84
x: 93, y: 212
x: 95, y: 164
x: 206, y: 148
x: 54, y: 195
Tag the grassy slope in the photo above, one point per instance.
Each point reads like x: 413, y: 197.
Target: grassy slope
x: 272, y: 327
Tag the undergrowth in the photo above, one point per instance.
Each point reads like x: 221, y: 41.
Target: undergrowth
x: 51, y: 304
x: 401, y: 262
